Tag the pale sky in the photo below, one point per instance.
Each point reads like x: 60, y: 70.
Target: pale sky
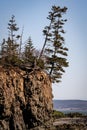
x: 32, y: 15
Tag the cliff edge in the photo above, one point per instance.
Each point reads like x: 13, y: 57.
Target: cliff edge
x: 25, y: 99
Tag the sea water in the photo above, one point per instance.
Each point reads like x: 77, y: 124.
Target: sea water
x: 68, y: 106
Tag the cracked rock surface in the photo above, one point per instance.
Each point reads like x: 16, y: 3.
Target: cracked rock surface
x: 25, y: 99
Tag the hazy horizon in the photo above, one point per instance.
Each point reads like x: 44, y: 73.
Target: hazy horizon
x: 70, y: 99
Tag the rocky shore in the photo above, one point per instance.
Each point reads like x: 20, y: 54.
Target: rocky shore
x: 68, y: 123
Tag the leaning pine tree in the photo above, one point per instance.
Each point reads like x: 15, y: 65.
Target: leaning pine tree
x: 54, y: 50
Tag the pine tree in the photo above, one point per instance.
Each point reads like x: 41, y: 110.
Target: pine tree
x: 9, y: 53
x: 12, y: 27
x: 29, y: 52
x: 11, y: 43
x: 54, y: 48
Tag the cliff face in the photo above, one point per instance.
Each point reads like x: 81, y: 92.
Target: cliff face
x: 25, y: 99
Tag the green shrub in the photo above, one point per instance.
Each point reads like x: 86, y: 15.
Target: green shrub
x: 58, y: 114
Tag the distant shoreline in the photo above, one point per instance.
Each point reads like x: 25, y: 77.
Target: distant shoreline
x: 66, y: 112
x: 70, y: 106
x: 69, y: 100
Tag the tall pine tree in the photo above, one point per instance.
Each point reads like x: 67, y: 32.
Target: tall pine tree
x: 12, y: 45
x: 54, y: 49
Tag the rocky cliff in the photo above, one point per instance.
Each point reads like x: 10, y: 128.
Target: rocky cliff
x: 25, y: 99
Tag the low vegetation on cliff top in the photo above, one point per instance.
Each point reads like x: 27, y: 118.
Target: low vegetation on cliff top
x: 51, y: 58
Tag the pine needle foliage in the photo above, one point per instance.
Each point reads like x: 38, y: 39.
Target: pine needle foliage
x: 29, y: 52
x: 10, y: 47
x: 53, y: 56
x: 54, y: 49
